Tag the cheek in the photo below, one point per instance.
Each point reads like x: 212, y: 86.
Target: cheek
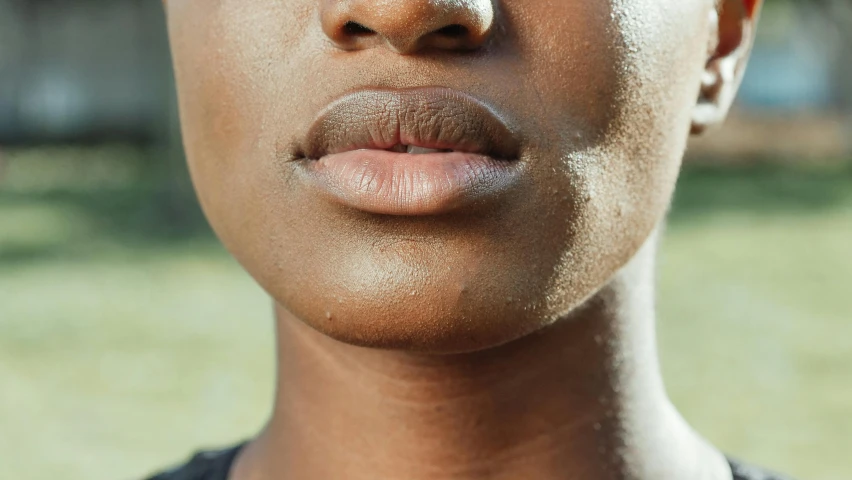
x: 232, y: 60
x: 617, y: 78
x: 662, y: 58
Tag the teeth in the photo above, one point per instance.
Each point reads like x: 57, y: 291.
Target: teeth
x: 413, y: 150
x: 420, y: 150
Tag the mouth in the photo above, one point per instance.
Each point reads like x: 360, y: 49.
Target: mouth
x: 411, y: 152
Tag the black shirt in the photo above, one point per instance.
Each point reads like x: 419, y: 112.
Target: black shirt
x: 217, y: 465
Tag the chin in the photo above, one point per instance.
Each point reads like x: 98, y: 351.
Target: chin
x: 431, y: 325
x: 415, y: 308
x: 433, y: 302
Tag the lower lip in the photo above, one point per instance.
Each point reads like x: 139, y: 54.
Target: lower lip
x: 390, y: 183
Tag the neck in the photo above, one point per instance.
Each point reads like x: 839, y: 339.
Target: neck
x: 582, y: 399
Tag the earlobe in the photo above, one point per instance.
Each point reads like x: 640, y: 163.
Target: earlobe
x: 751, y: 7
x: 732, y: 35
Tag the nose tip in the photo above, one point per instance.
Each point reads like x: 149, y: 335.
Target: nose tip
x: 407, y: 26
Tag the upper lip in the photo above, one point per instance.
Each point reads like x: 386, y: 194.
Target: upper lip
x: 437, y: 118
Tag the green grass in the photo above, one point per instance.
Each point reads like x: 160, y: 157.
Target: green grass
x: 128, y: 337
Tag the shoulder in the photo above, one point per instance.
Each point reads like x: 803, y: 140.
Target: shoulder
x: 216, y: 465
x: 208, y: 465
x: 744, y: 471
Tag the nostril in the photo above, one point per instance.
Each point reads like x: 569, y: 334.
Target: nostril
x: 453, y: 31
x: 354, y: 29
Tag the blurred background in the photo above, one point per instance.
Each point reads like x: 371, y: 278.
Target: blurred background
x: 128, y: 337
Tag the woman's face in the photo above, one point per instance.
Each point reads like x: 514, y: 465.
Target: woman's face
x: 545, y: 136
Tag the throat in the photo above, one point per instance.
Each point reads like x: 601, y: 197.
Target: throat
x: 581, y: 399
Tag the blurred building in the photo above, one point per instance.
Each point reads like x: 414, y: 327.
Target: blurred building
x: 82, y: 70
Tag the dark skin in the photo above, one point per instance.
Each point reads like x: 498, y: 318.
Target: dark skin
x: 503, y: 338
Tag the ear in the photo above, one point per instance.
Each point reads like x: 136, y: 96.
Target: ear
x: 733, y: 26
